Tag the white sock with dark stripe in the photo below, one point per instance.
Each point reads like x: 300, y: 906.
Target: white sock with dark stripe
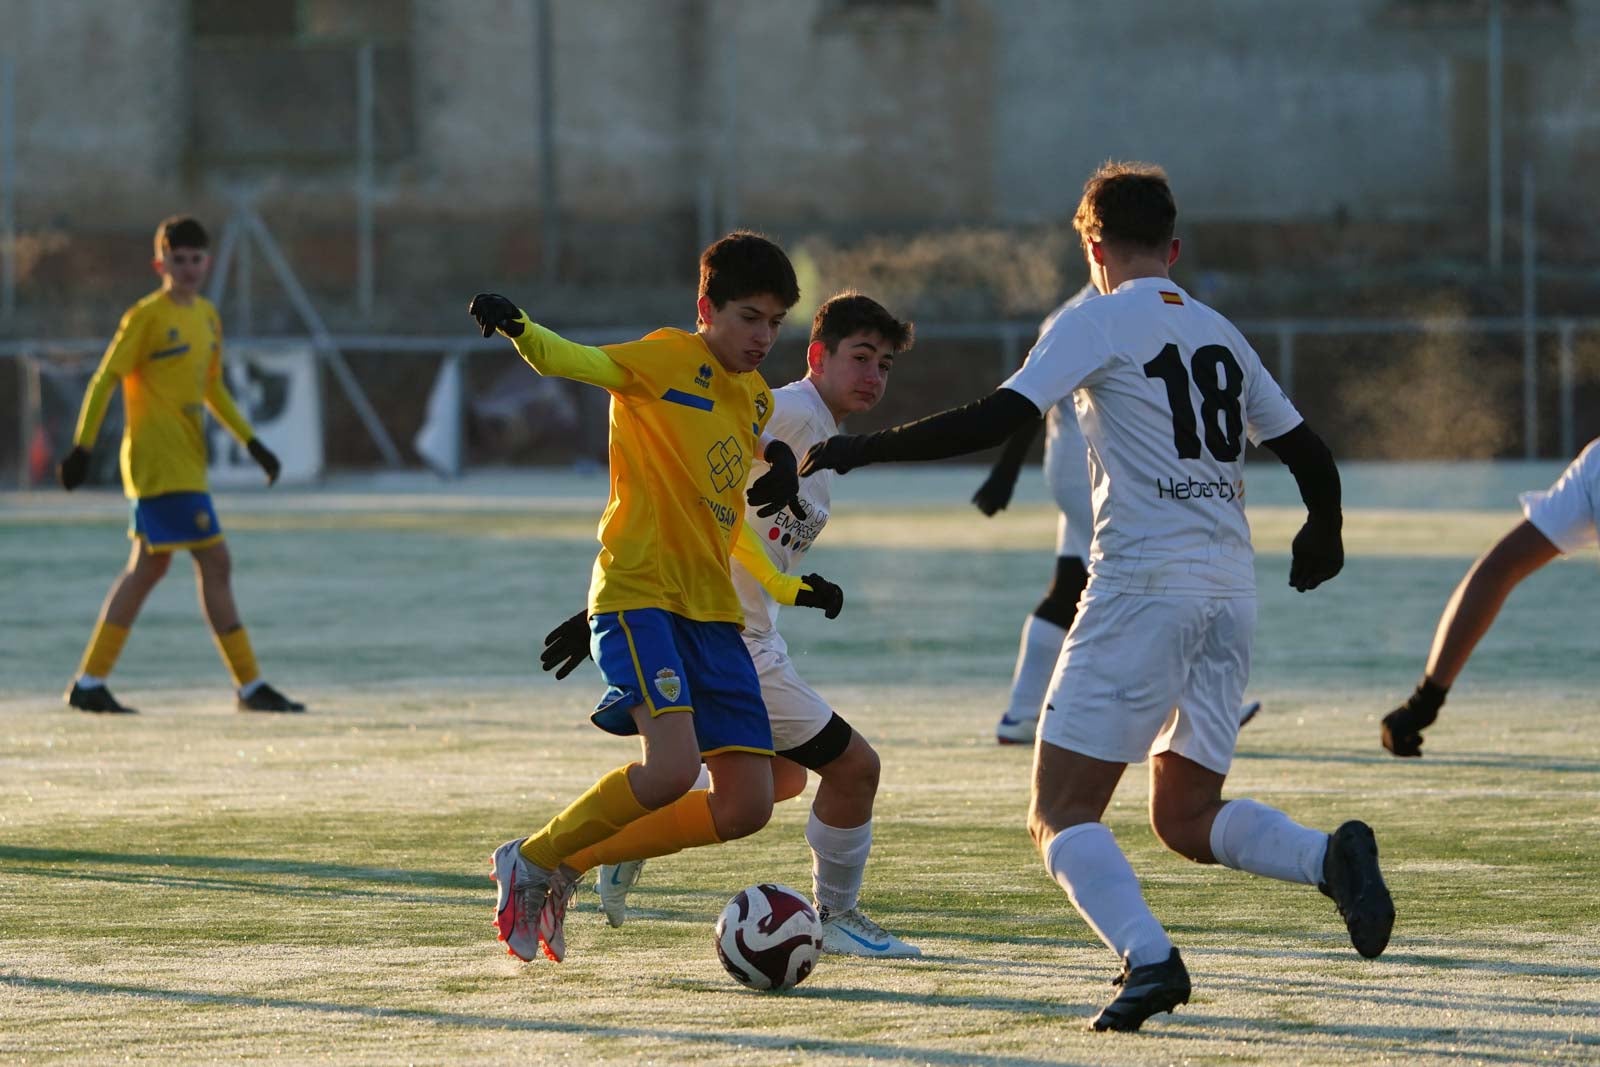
x: 1086, y: 862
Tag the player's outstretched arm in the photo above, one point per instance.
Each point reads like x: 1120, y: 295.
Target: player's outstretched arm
x: 1318, y: 551
x: 994, y: 494
x: 779, y: 487
x: 956, y: 432
x: 566, y: 646
x: 546, y: 352
x: 1467, y: 617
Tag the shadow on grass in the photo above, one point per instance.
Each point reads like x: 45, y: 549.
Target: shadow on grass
x: 100, y: 861
x: 1434, y: 760
x: 740, y: 1039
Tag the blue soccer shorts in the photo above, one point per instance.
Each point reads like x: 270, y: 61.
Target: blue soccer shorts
x: 172, y: 521
x: 653, y: 657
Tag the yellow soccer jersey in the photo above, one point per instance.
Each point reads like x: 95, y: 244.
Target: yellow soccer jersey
x: 683, y: 438
x: 169, y: 361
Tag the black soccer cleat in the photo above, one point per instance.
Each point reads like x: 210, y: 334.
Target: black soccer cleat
x: 266, y: 698
x: 1155, y: 987
x: 1351, y: 877
x: 98, y: 699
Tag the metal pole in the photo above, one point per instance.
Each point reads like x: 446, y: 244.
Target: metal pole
x: 8, y: 187
x: 549, y: 194
x: 364, y: 106
x: 1496, y: 124
x: 1569, y: 413
x: 728, y: 169
x: 243, y: 304
x: 1530, y: 334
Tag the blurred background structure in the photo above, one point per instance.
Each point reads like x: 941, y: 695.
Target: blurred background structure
x: 1394, y: 198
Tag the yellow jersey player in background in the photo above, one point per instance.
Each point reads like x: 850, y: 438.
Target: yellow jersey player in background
x: 167, y: 356
x: 688, y: 411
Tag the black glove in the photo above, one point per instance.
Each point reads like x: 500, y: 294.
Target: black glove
x: 995, y: 492
x: 566, y: 646
x: 843, y: 453
x: 1402, y: 727
x: 1318, y: 555
x: 779, y: 487
x: 496, y: 312
x: 263, y: 455
x: 823, y: 595
x: 74, y: 468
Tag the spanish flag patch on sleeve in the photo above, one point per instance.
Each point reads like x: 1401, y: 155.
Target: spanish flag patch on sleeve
x: 1168, y: 297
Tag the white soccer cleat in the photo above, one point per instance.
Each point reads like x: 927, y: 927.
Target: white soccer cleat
x: 612, y: 882
x: 1249, y: 710
x: 1010, y: 731
x: 522, y: 891
x: 851, y: 933
x: 551, y: 923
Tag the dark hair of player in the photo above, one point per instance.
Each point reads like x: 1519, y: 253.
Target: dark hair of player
x: 180, y: 231
x: 746, y: 264
x: 1127, y: 204
x: 850, y: 313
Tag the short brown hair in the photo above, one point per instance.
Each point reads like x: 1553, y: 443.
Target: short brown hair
x: 1127, y: 204
x: 747, y: 264
x: 850, y: 313
x: 180, y: 231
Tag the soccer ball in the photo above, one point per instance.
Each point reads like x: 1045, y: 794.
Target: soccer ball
x: 768, y: 937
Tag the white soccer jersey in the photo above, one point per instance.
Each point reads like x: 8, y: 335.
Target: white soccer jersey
x: 1066, y: 458
x: 799, y: 419
x: 1166, y: 392
x: 1569, y: 511
x: 1063, y: 441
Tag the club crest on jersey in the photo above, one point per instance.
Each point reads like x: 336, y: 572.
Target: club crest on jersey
x: 702, y: 378
x: 762, y: 403
x: 668, y: 684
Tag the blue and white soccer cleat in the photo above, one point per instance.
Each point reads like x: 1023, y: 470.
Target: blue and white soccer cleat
x: 612, y: 882
x: 522, y: 891
x: 1010, y: 731
x: 851, y: 933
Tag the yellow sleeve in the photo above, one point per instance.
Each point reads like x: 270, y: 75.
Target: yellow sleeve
x: 750, y: 553
x: 554, y: 355
x: 123, y: 356
x: 220, y: 403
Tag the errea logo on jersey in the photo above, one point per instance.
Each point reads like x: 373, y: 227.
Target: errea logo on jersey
x: 703, y: 377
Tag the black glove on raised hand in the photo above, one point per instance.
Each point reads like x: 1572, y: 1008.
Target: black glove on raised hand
x: 822, y: 594
x: 1402, y: 727
x: 495, y: 312
x: 74, y: 468
x: 1318, y: 555
x: 263, y: 456
x: 842, y: 452
x: 780, y: 486
x: 994, y: 494
x: 566, y: 646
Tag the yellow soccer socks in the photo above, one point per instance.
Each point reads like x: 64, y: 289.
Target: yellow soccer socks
x: 104, y: 647
x: 607, y: 807
x: 238, y: 655
x: 685, y: 823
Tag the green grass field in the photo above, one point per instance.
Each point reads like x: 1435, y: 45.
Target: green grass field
x: 198, y: 885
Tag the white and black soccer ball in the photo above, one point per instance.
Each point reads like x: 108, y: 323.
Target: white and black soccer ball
x: 769, y: 937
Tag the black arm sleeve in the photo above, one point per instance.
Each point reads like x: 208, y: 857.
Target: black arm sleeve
x: 970, y: 428
x: 1311, y: 463
x: 1009, y: 464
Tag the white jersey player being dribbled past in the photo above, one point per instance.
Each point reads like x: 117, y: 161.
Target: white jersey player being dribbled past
x: 1158, y: 657
x: 1066, y: 473
x: 854, y: 341
x: 1562, y: 519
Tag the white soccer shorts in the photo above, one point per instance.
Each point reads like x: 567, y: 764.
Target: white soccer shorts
x: 797, y: 712
x: 1141, y: 675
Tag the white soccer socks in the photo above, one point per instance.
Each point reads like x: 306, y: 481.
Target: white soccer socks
x: 838, y: 862
x: 1087, y: 863
x: 1036, y: 665
x: 1252, y: 837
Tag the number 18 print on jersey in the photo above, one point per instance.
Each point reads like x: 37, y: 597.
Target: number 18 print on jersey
x: 1166, y: 391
